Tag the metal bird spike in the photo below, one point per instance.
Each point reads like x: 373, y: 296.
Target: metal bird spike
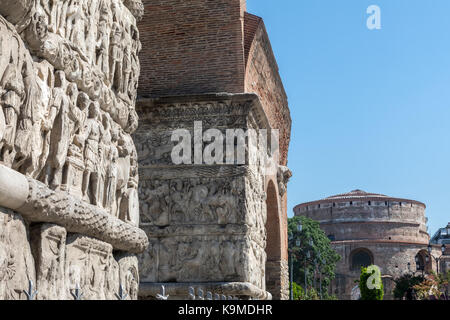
x: 209, y: 296
x: 78, y: 295
x: 191, y: 293
x: 31, y: 294
x: 200, y: 294
x: 121, y: 295
x: 162, y: 295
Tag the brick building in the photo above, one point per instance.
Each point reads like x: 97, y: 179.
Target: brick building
x: 442, y: 239
x: 220, y: 228
x: 367, y: 228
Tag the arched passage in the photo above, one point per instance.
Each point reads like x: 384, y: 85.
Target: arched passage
x: 360, y: 257
x: 273, y: 243
x: 423, y: 262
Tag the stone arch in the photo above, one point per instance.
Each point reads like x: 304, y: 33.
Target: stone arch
x: 361, y: 257
x: 273, y: 242
x: 423, y: 261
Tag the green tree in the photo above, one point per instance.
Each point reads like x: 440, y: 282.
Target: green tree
x: 442, y: 281
x: 298, y: 292
x: 366, y: 278
x: 404, y: 286
x: 321, y: 259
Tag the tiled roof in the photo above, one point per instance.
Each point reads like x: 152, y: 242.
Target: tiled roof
x: 251, y: 24
x: 358, y: 195
x: 355, y: 194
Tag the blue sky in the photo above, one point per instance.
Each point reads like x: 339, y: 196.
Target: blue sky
x: 370, y: 109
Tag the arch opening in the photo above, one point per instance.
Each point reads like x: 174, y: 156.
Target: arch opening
x: 359, y: 258
x: 273, y: 243
x: 423, y: 262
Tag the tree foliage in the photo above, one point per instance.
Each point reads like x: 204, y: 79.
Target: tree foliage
x: 404, y: 286
x: 433, y: 287
x: 297, y: 292
x: 322, y: 256
x: 411, y: 287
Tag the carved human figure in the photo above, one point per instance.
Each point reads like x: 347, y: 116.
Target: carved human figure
x: 75, y: 26
x: 37, y: 30
x: 180, y: 196
x: 61, y: 130
x: 132, y: 283
x: 103, y: 150
x: 46, y: 84
x: 129, y: 209
x: 111, y: 177
x: 124, y: 167
x: 106, y: 13
x: 23, y: 143
x: 92, y: 133
x: 135, y: 67
x: 90, y: 10
x: 156, y: 203
x: 46, y: 7
x: 62, y: 17
x: 127, y: 67
x: 102, y: 48
x: 12, y: 98
x: 74, y: 15
x: 55, y: 15
x: 116, y: 56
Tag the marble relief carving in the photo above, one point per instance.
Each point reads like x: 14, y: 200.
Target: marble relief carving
x: 68, y: 103
x: 69, y: 74
x: 206, y: 223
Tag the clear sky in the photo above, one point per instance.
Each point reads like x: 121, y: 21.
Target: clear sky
x: 370, y: 109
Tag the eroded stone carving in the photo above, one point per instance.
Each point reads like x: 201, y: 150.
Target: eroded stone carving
x: 68, y: 83
x: 49, y: 251
x: 204, y: 222
x: 91, y: 267
x: 68, y: 110
x: 16, y: 260
x: 283, y: 176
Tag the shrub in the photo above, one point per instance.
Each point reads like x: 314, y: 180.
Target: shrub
x: 370, y: 275
x: 404, y: 286
x: 298, y: 291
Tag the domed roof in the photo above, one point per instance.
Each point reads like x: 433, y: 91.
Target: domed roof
x: 358, y: 195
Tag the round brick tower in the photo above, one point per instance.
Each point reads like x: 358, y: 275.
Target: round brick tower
x: 367, y: 228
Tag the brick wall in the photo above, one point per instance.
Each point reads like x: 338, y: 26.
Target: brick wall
x: 191, y: 47
x: 204, y: 46
x: 262, y: 77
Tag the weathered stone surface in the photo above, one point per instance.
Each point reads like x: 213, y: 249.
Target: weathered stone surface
x: 68, y: 83
x: 16, y: 261
x: 68, y: 103
x: 46, y: 205
x: 204, y: 222
x: 90, y: 266
x: 129, y: 275
x: 48, y: 243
